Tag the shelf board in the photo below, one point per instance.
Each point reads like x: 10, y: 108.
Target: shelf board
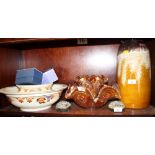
x: 26, y: 40
x: 22, y: 40
x: 23, y: 43
x: 30, y: 43
x: 77, y: 111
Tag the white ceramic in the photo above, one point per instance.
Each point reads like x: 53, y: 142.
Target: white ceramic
x: 116, y: 104
x: 31, y: 102
x: 34, y: 88
x: 63, y: 105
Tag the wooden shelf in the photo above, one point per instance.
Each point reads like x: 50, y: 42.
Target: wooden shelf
x: 31, y: 43
x: 77, y: 111
x: 25, y: 40
x: 24, y: 43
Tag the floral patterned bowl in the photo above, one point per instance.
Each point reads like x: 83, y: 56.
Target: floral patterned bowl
x: 31, y: 102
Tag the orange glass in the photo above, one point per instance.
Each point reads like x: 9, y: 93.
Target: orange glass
x: 134, y: 76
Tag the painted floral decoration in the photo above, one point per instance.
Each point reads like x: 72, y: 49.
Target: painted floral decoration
x: 41, y: 100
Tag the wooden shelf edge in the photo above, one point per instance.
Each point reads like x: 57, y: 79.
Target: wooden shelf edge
x: 78, y: 112
x: 14, y: 41
x: 6, y: 41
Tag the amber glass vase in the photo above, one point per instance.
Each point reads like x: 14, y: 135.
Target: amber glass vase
x: 134, y: 74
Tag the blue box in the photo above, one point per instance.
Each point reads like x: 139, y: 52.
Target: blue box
x: 49, y: 76
x: 30, y: 76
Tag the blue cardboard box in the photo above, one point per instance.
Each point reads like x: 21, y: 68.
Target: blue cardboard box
x: 30, y: 76
x: 49, y: 76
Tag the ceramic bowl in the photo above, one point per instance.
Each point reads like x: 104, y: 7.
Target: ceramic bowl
x: 34, y: 88
x: 31, y: 102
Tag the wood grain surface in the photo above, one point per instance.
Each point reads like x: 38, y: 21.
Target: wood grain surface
x: 78, y: 112
x: 10, y: 61
x: 151, y: 46
x: 70, y: 62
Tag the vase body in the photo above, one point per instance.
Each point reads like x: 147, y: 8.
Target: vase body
x: 134, y: 74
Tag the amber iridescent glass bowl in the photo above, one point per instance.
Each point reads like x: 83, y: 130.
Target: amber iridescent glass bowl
x: 91, y: 91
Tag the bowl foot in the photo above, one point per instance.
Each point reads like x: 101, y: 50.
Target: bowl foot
x: 36, y: 109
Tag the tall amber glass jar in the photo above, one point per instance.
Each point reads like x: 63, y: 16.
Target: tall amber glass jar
x: 134, y: 74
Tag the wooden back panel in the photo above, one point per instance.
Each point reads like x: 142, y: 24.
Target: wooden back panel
x: 70, y: 62
x: 151, y: 46
x: 10, y: 61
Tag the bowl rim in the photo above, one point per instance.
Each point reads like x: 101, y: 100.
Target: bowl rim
x: 39, y: 85
x: 52, y: 91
